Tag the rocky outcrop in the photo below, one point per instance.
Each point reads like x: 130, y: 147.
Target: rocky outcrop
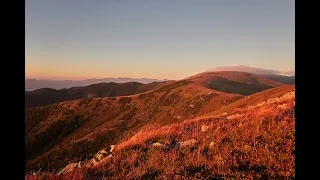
x: 106, y: 159
x: 102, y: 156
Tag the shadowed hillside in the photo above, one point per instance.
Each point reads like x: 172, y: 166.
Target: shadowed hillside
x: 281, y: 79
x: 45, y: 96
x: 74, y: 130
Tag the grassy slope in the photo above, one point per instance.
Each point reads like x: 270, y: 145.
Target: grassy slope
x: 71, y: 131
x: 107, y: 120
x: 257, y: 144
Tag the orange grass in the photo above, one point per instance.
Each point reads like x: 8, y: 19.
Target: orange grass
x: 258, y: 145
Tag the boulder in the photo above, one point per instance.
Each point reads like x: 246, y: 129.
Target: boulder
x: 204, y: 128
x: 70, y: 167
x: 189, y: 143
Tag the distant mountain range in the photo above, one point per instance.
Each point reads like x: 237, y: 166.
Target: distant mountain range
x: 32, y: 84
x: 44, y: 96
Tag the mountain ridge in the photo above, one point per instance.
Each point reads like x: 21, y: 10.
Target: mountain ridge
x: 60, y: 84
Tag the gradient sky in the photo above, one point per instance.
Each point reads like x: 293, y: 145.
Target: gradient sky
x: 172, y: 39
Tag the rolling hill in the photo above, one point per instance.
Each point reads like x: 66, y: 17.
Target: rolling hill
x: 45, y: 96
x: 252, y: 138
x: 71, y: 131
x: 281, y: 79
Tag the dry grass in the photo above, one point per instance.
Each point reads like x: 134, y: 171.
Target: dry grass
x: 259, y: 144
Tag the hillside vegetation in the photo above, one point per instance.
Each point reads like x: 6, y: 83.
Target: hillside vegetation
x: 252, y: 142
x: 73, y: 131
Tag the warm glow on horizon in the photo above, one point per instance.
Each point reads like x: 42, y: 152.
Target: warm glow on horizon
x: 155, y: 39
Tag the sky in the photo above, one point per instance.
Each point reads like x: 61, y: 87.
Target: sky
x: 163, y: 39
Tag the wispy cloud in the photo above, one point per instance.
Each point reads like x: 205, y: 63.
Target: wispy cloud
x: 253, y: 70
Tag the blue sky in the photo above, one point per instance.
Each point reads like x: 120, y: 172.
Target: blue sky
x: 172, y: 39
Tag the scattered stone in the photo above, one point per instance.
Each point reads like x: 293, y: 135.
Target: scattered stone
x: 94, y: 162
x: 80, y: 163
x: 282, y: 106
x: 70, y: 167
x: 106, y: 159
x: 263, y: 103
x: 103, y: 151
x: 157, y: 144
x: 189, y: 143
x: 234, y: 116
x: 88, y: 165
x: 101, y: 156
x: 204, y: 128
x: 211, y: 144
x: 112, y: 148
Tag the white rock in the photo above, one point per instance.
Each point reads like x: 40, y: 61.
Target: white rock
x: 157, y: 144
